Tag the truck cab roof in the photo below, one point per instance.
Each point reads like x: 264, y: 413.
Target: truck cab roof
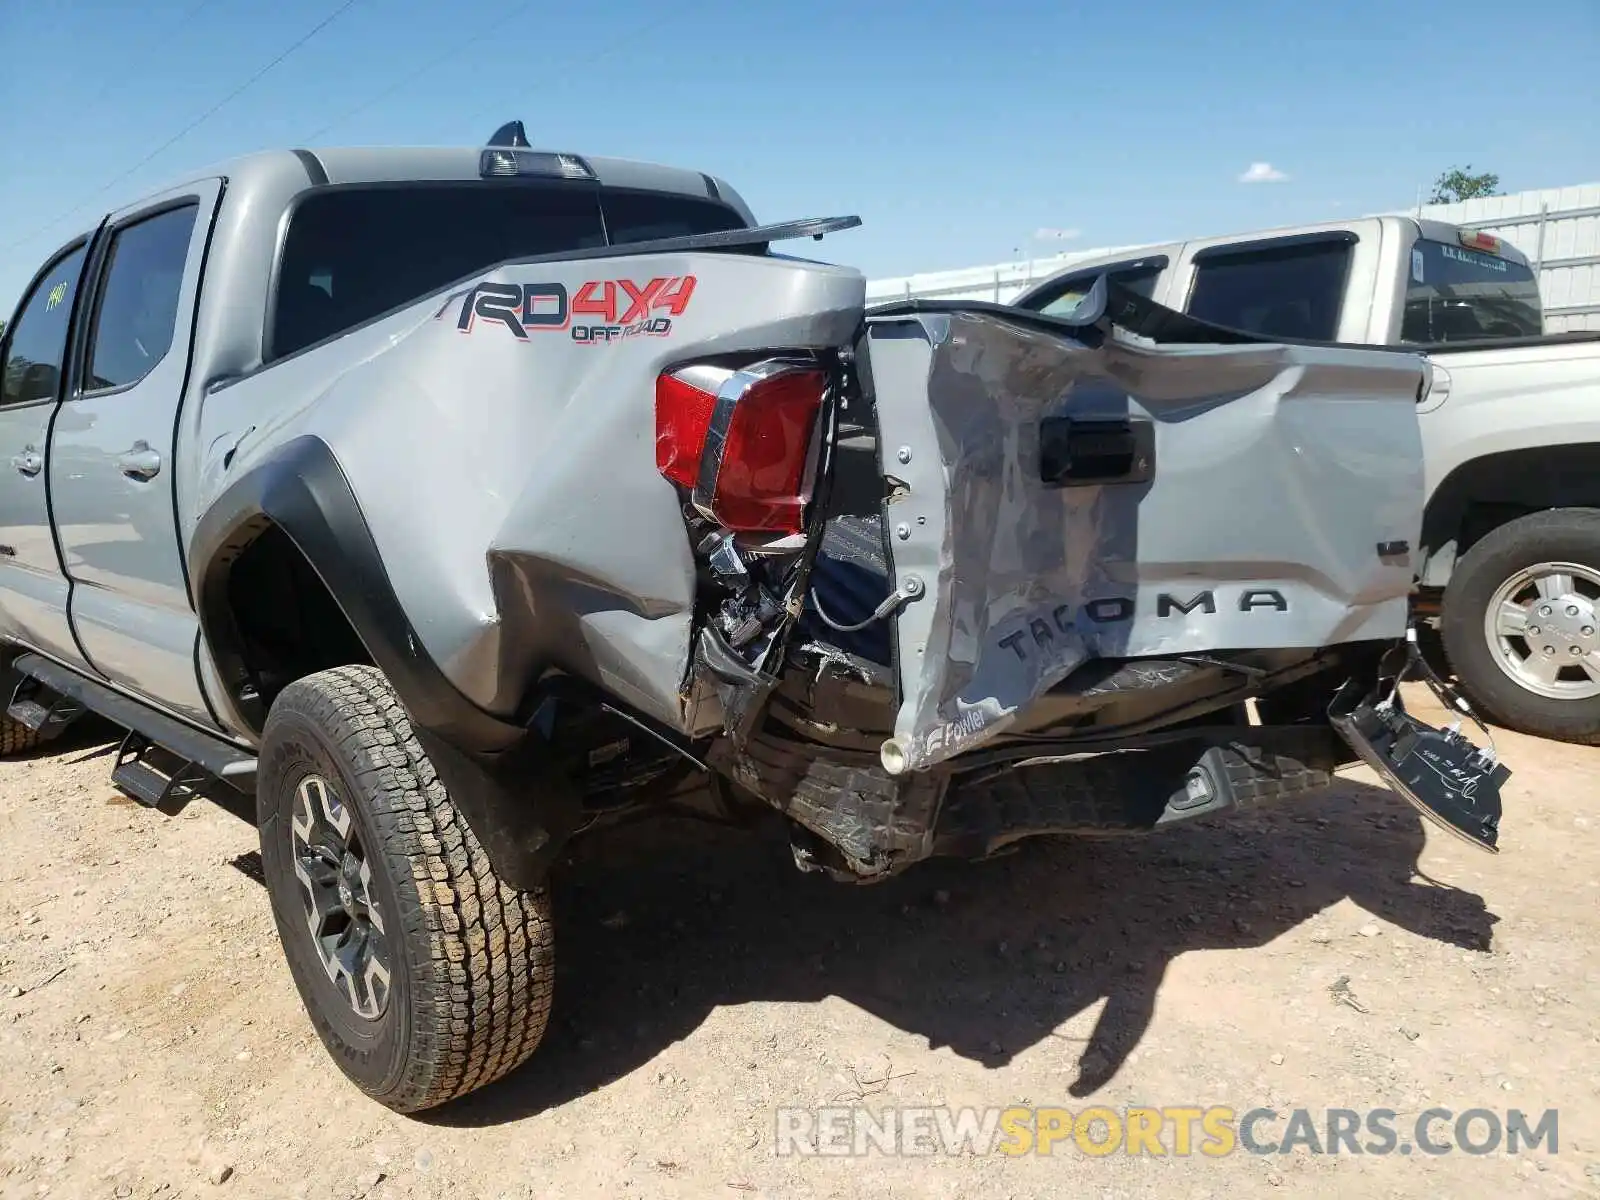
x: 346, y: 165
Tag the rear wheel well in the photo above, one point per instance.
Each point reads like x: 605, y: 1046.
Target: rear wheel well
x: 1483, y: 494
x: 284, y: 622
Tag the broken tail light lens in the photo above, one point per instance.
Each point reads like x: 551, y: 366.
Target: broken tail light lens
x: 742, y: 441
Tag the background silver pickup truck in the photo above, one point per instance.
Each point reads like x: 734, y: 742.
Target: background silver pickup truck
x: 460, y: 502
x: 1510, y: 551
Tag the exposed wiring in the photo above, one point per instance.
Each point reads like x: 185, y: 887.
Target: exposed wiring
x: 893, y: 601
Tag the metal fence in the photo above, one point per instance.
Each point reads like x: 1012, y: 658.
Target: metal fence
x: 1557, y: 228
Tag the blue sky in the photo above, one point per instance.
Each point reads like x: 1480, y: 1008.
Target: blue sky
x: 956, y: 130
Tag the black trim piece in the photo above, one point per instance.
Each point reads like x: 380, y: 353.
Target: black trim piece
x: 1291, y: 241
x: 304, y: 492
x: 498, y: 773
x: 712, y: 189
x: 1119, y: 306
x: 1436, y: 349
x: 1146, y: 318
x: 315, y: 171
x: 177, y: 422
x: 511, y: 134
x: 746, y: 238
x: 220, y: 757
x: 1056, y: 284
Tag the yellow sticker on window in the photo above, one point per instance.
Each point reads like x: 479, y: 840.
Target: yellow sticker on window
x: 57, y: 295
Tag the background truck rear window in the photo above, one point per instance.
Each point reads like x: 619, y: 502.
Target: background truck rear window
x: 1454, y: 295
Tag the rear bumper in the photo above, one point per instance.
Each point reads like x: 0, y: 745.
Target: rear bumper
x: 1451, y: 782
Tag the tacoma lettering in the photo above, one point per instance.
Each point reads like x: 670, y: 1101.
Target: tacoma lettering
x: 1042, y: 634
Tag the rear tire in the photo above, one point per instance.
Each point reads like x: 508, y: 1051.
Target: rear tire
x: 430, y: 977
x: 1519, y: 568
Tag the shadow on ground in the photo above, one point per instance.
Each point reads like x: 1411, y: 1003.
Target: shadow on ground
x: 661, y: 923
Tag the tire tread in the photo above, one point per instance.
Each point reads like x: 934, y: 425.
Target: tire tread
x: 487, y: 1003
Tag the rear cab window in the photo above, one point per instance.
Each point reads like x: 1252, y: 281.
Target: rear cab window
x: 355, y: 252
x: 1455, y: 294
x: 647, y: 216
x: 1284, y: 288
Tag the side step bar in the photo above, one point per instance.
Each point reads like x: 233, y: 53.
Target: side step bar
x: 34, y: 707
x: 150, y: 727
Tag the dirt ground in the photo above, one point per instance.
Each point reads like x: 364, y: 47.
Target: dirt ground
x: 151, y: 1042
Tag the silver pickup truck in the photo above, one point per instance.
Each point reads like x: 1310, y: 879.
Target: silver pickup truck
x: 1509, y: 562
x: 461, y: 502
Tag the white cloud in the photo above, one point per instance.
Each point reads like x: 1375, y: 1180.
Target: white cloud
x: 1046, y: 234
x: 1263, y: 172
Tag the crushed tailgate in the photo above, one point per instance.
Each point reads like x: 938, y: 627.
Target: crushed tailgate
x: 1059, y: 492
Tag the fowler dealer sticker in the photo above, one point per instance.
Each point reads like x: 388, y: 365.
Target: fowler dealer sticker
x: 600, y: 312
x: 1416, y: 264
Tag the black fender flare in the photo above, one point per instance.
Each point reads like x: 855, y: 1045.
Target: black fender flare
x: 521, y: 810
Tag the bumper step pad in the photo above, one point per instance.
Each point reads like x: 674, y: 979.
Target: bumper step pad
x: 1441, y: 774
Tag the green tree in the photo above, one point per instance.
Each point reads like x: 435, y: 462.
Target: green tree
x: 1459, y: 183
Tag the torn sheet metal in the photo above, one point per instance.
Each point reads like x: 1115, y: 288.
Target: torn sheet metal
x: 1058, y: 500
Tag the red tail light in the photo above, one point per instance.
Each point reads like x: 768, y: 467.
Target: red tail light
x: 742, y: 441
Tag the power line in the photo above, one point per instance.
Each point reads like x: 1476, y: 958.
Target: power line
x: 191, y: 126
x: 120, y: 76
x: 648, y: 27
x: 418, y: 73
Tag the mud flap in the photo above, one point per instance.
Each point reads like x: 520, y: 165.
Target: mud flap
x: 1441, y: 774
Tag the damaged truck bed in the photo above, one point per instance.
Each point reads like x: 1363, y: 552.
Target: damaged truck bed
x: 453, y: 554
x: 1054, y: 565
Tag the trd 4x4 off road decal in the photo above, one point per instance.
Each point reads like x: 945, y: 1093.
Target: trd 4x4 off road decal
x: 618, y: 308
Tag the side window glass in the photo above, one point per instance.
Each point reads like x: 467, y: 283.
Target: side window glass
x: 138, y: 306
x: 37, y: 347
x: 1290, y: 291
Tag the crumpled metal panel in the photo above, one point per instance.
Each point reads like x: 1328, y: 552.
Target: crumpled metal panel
x: 1282, y: 507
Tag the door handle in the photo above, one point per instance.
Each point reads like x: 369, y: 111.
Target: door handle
x: 140, y: 462
x: 30, y: 462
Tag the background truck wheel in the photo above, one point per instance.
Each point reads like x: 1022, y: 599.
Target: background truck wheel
x: 425, y: 976
x: 1521, y: 624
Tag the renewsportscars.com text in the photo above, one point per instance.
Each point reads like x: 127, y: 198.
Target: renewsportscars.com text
x: 1176, y: 1130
